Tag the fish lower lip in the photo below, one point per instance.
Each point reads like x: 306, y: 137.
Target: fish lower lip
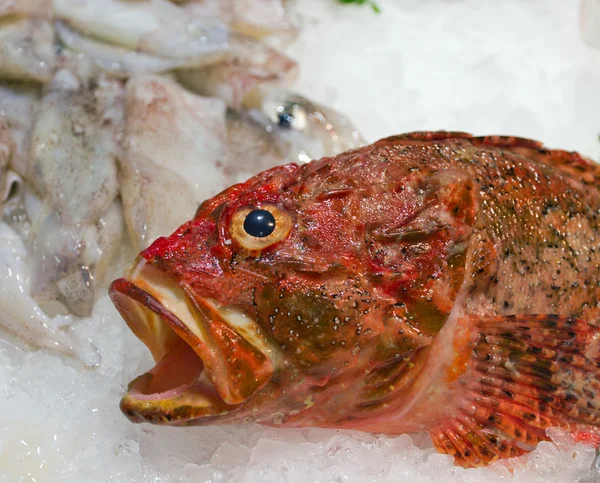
x: 189, y: 339
x: 160, y: 395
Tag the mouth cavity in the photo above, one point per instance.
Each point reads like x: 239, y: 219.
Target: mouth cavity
x: 209, y: 359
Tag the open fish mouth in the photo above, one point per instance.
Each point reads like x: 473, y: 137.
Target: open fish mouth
x: 209, y: 359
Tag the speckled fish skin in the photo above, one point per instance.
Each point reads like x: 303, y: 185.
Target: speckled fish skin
x: 429, y: 282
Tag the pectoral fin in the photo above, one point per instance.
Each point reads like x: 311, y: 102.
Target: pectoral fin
x: 524, y: 374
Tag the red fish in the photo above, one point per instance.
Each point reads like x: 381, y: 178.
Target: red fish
x: 429, y: 282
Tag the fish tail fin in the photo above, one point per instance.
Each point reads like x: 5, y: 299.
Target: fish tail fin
x: 524, y: 374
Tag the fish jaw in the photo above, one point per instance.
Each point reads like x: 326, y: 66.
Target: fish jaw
x: 210, y: 359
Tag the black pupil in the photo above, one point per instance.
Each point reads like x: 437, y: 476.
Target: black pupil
x: 259, y: 223
x: 285, y: 120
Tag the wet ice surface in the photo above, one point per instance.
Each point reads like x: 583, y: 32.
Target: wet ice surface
x: 468, y: 65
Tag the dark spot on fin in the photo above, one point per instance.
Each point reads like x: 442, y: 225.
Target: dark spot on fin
x: 526, y: 373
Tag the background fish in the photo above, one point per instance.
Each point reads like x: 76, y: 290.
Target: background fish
x: 429, y: 282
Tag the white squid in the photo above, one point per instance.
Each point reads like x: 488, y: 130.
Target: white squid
x: 155, y: 27
x: 237, y: 80
x: 173, y: 143
x: 77, y: 227
x: 26, y: 48
x: 19, y: 313
x: 257, y: 18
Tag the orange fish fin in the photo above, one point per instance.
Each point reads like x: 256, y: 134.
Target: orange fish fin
x: 523, y: 374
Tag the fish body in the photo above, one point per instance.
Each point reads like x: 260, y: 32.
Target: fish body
x: 429, y: 282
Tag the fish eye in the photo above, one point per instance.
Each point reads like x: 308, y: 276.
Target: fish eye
x: 289, y: 114
x: 259, y: 223
x: 257, y: 228
x: 285, y: 120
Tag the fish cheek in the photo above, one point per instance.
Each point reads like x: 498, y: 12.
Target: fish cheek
x: 314, y: 329
x: 422, y: 262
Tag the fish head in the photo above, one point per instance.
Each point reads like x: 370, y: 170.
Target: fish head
x: 281, y: 291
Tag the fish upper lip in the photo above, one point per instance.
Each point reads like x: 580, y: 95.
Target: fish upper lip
x: 210, y: 359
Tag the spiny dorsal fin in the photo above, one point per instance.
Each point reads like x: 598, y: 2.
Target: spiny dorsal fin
x: 573, y: 165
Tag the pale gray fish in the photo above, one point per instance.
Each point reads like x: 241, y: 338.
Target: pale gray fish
x: 74, y: 146
x: 252, y: 147
x: 211, y: 61
x: 311, y: 130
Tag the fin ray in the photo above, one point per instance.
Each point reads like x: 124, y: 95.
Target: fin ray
x: 526, y: 374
